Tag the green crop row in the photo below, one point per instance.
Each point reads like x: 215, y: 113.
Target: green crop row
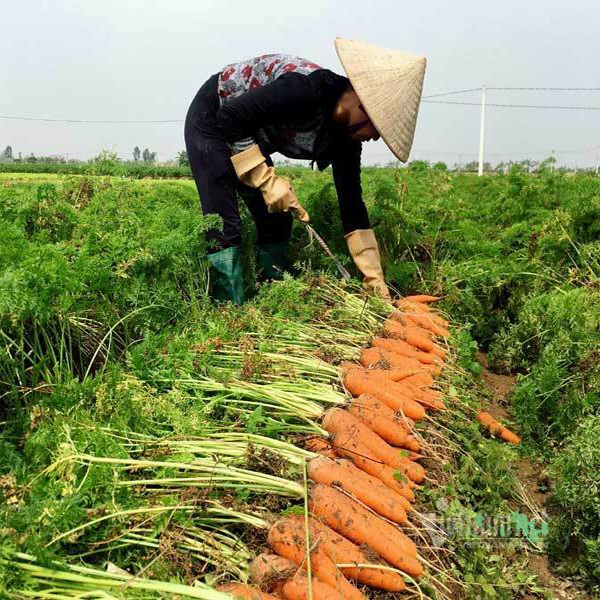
x: 103, y: 306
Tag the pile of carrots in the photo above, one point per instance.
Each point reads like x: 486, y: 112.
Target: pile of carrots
x: 366, y: 474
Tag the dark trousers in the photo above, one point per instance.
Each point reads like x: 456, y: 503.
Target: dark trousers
x: 218, y: 186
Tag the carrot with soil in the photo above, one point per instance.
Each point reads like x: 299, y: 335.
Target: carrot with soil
x: 497, y: 428
x: 337, y: 420
x: 348, y: 446
x: 350, y: 520
x: 342, y: 551
x: 359, y: 382
x: 366, y: 488
x: 288, y: 540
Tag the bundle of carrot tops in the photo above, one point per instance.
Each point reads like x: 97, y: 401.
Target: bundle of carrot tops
x: 366, y: 473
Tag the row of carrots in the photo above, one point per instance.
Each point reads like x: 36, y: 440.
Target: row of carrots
x: 366, y: 474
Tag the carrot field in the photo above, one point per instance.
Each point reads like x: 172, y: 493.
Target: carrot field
x: 153, y: 444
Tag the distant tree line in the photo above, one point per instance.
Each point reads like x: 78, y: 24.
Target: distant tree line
x: 108, y: 163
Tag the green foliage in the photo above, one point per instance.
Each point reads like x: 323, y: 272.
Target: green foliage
x: 132, y: 169
x: 576, y: 471
x: 87, y: 269
x: 555, y: 338
x: 105, y: 320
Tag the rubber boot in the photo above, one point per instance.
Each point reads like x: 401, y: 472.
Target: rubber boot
x: 226, y: 280
x: 271, y: 262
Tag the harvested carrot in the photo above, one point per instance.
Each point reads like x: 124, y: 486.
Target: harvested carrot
x: 394, y: 373
x: 269, y: 571
x: 497, y: 428
x: 319, y: 445
x: 368, y: 489
x: 404, y: 388
x: 403, y: 349
x: 415, y: 336
x: 420, y: 379
x: 427, y: 397
x: 404, y: 393
x: 350, y: 520
x: 422, y: 298
x: 359, y: 382
x: 296, y: 588
x: 337, y: 420
x: 289, y: 541
x: 418, y: 308
x: 348, y: 446
x: 426, y: 322
x: 242, y: 591
x: 342, y: 551
x: 412, y: 306
x: 380, y: 418
x: 378, y: 356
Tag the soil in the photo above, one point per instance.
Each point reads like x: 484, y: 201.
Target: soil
x: 535, y: 484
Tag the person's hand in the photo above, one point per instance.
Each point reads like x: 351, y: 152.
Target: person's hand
x: 363, y: 247
x: 278, y: 194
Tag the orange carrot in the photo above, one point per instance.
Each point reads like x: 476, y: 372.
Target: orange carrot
x: 360, y: 382
x: 403, y: 349
x: 337, y: 420
x: 348, y: 446
x: 380, y: 418
x: 405, y: 392
x: 350, y: 520
x: 342, y: 551
x: 418, y: 308
x: 296, y: 588
x: 412, y: 306
x: 241, y: 591
x: 426, y: 397
x: 269, y: 571
x: 497, y: 428
x: 368, y: 489
x: 395, y: 374
x: 426, y: 322
x: 386, y: 378
x: 420, y: 379
x: 415, y: 336
x: 422, y: 298
x: 404, y: 388
x: 381, y: 356
x: 290, y: 542
x: 319, y: 445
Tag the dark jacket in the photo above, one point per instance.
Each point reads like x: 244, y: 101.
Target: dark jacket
x: 304, y: 102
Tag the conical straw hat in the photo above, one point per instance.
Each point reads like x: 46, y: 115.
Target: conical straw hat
x: 389, y: 84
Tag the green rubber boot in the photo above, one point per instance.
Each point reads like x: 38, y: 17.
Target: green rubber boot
x: 271, y: 261
x: 226, y: 280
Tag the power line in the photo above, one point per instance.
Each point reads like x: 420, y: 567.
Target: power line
x: 535, y: 89
x: 477, y: 89
x: 546, y: 89
x: 542, y: 106
x: 112, y: 122
x: 425, y: 99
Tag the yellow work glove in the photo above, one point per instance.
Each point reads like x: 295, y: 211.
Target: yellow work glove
x: 279, y: 196
x: 365, y: 252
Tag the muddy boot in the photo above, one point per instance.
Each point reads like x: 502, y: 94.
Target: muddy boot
x: 226, y: 280
x: 271, y: 262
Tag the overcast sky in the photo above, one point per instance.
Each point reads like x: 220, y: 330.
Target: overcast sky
x: 143, y: 59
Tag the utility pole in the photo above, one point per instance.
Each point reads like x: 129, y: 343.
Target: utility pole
x: 481, y: 132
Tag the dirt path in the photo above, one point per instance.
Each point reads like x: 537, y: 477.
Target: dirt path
x: 535, y: 484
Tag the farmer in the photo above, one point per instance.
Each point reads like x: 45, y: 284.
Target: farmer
x: 281, y: 103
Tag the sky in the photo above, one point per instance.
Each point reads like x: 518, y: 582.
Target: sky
x: 145, y: 60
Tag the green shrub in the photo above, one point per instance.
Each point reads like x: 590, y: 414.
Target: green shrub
x: 576, y: 473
